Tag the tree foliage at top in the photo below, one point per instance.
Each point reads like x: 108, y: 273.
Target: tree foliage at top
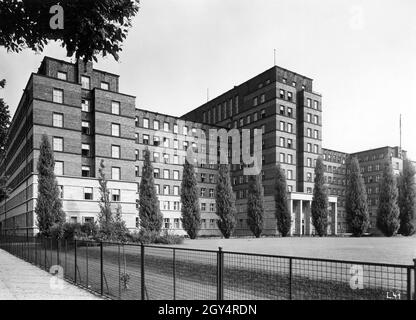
x: 255, y: 205
x: 388, y: 210
x: 282, y: 213
x: 191, y: 216
x: 90, y: 27
x: 105, y: 216
x: 48, y: 204
x: 407, y: 199
x: 4, y: 122
x: 319, y: 207
x: 225, y: 202
x: 151, y: 218
x: 356, y: 200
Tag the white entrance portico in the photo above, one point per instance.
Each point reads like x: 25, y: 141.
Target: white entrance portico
x: 300, y: 209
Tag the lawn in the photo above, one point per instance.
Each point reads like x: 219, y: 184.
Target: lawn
x: 396, y: 250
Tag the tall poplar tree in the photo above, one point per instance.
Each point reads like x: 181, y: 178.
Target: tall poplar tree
x: 407, y: 199
x: 225, y: 202
x: 191, y: 216
x: 255, y: 205
x: 151, y: 218
x: 356, y: 200
x: 105, y: 216
x: 388, y: 210
x: 282, y: 212
x: 319, y: 208
x: 48, y: 208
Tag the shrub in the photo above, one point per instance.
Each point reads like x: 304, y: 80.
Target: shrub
x: 169, y: 238
x: 89, y: 229
x: 56, y: 231
x: 71, y: 230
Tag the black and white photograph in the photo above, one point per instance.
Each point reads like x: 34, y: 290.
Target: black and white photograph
x: 205, y: 155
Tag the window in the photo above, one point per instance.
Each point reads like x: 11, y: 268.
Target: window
x: 289, y: 174
x: 248, y: 119
x: 309, y: 132
x: 145, y: 123
x: 176, y: 222
x: 263, y: 113
x: 203, y: 206
x: 88, y: 193
x: 212, y: 207
x: 211, y: 178
x: 156, y: 141
x: 86, y: 127
x: 62, y: 75
x: 289, y: 96
x: 175, y: 128
x: 115, y: 151
x: 282, y: 142
x: 282, y: 110
x: 308, y: 117
x: 165, y: 174
x: 85, y: 171
x: 254, y: 117
x: 309, y: 162
x: 315, y: 134
x: 255, y: 102
x: 166, y: 221
x: 115, y: 194
x: 137, y: 171
x: 157, y: 189
x: 185, y: 145
x: 166, y: 190
x: 85, y: 105
x: 309, y: 147
x: 58, y: 120
x: 309, y: 177
x: 282, y: 126
x: 156, y: 124
x: 262, y: 98
x: 175, y: 190
x: 115, y: 129
x: 290, y: 159
x: 282, y: 94
x: 241, y: 122
x: 58, y: 144
x: 166, y: 126
x: 203, y: 176
x: 85, y: 150
x: 211, y: 193
x: 115, y: 107
x: 289, y: 112
x: 156, y: 157
x: 115, y: 173
x: 175, y: 159
x: 289, y: 127
x: 104, y: 85
x: 59, y: 168
x: 308, y: 102
x: 58, y: 96
x: 145, y: 139
x: 315, y: 104
x: 202, y: 192
x: 185, y: 130
x: 156, y: 173
x: 165, y: 158
x: 61, y: 192
x: 166, y: 142
x: 289, y: 143
x: 282, y: 158
x: 315, y: 148
x: 137, y: 154
x: 175, y: 144
x: 85, y: 82
x: 175, y: 175
x: 315, y: 120
x: 166, y: 206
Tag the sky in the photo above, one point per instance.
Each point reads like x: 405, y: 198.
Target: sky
x: 361, y: 55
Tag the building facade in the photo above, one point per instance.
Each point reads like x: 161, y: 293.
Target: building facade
x: 88, y: 120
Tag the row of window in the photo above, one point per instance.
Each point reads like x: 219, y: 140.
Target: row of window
x: 312, y: 119
x: 205, y: 223
x: 222, y: 111
x: 285, y: 95
x: 333, y: 169
x: 334, y: 158
x: 115, y: 194
x: 309, y: 104
x: 166, y: 126
x: 309, y: 133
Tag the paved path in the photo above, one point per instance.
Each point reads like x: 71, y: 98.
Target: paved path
x: 20, y: 280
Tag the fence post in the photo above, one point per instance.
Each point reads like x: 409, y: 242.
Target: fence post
x: 414, y: 279
x: 75, y: 267
x: 142, y: 269
x: 220, y: 280
x: 290, y: 278
x: 102, y: 267
x: 174, y: 274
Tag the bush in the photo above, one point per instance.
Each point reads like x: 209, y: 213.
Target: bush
x: 89, y: 229
x: 71, y: 230
x: 56, y: 231
x: 169, y: 238
x: 148, y: 237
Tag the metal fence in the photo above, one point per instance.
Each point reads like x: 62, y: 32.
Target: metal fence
x: 134, y: 272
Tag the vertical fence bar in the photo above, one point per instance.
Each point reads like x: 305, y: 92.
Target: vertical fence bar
x: 142, y: 269
x: 414, y: 279
x: 409, y: 283
x: 290, y: 278
x: 86, y: 262
x: 58, y: 262
x: 75, y: 263
x: 44, y: 249
x: 102, y: 268
x: 174, y: 274
x: 220, y: 278
x: 119, y: 273
x: 66, y: 252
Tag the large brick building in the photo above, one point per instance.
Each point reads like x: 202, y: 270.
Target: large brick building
x: 88, y: 120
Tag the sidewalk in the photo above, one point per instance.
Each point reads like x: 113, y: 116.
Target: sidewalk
x: 20, y: 280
